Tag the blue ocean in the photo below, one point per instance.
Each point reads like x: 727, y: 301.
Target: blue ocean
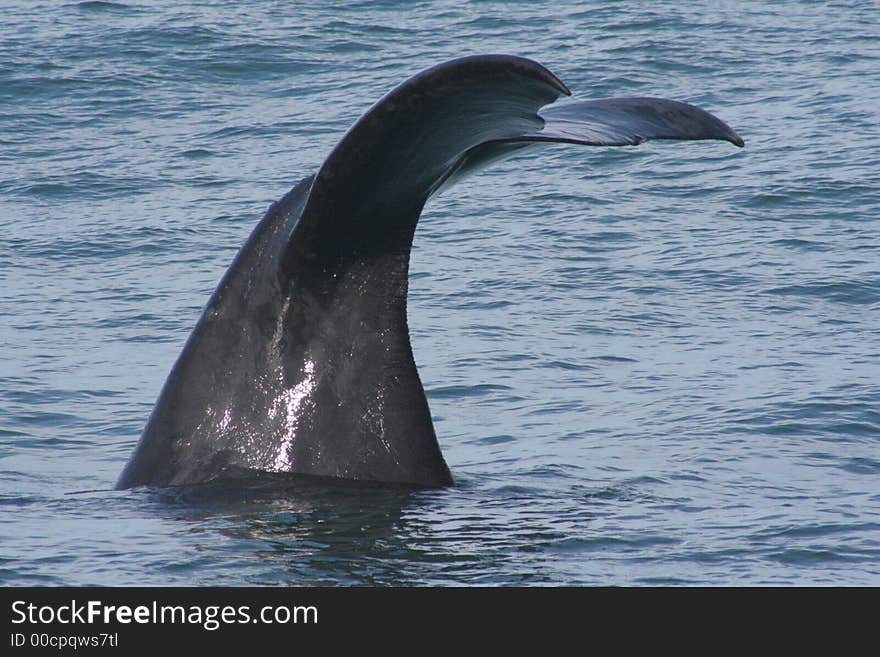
x: 651, y: 365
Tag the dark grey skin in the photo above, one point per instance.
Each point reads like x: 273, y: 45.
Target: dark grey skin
x: 301, y: 362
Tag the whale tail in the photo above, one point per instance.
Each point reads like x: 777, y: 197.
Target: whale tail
x: 301, y: 362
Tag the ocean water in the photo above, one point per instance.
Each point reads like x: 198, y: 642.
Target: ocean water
x: 646, y: 365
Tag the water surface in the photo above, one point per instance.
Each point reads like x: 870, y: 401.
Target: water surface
x: 651, y: 365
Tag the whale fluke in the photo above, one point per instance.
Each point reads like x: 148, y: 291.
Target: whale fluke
x: 301, y: 361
